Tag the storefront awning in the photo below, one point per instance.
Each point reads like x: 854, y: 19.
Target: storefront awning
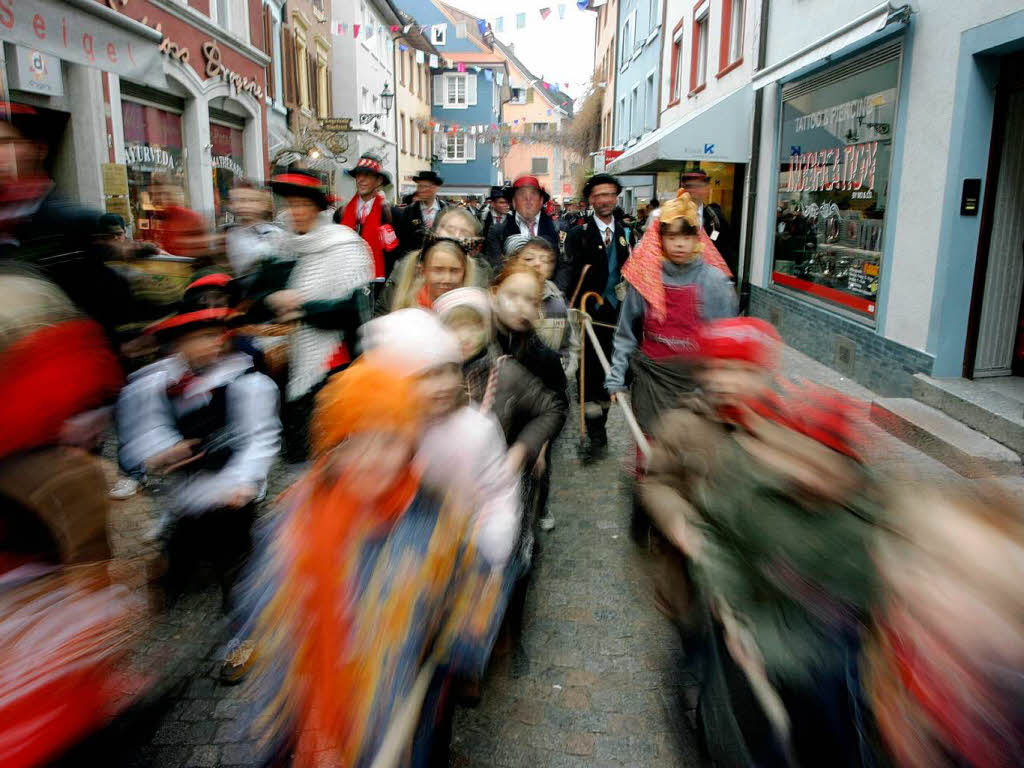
x: 86, y: 32
x: 718, y: 133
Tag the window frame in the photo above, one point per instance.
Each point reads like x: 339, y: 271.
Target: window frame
x: 533, y: 167
x: 650, y: 99
x: 450, y: 77
x: 701, y: 25
x: 675, y: 88
x: 450, y: 158
x: 725, y: 65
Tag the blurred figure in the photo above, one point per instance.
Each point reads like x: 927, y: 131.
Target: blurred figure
x: 370, y: 597
x: 495, y: 217
x: 321, y: 286
x: 554, y: 327
x: 205, y: 419
x: 767, y: 500
x: 370, y: 215
x: 253, y: 237
x: 944, y: 663
x: 420, y: 216
x: 441, y: 266
x: 717, y: 234
x: 178, y: 230
x: 671, y: 292
x: 528, y: 199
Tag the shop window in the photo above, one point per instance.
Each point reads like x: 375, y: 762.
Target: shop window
x: 153, y: 148
x: 730, y: 47
x: 539, y: 166
x: 228, y: 163
x: 835, y: 153
x: 676, y: 74
x: 699, y: 47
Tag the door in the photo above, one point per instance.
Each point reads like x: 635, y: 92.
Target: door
x: 999, y: 319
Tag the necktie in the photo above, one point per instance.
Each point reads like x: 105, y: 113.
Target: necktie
x: 533, y: 228
x: 607, y: 237
x: 428, y: 219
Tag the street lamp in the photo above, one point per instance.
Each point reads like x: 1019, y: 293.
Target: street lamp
x: 387, y: 99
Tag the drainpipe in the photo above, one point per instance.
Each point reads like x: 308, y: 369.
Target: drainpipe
x: 755, y: 159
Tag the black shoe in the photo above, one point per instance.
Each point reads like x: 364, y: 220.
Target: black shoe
x: 589, y: 452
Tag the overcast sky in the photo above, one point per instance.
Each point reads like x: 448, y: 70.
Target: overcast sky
x: 557, y: 50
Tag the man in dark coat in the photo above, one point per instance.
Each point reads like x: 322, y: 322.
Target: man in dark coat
x: 715, y: 224
x: 528, y: 198
x: 594, y: 254
x: 418, y: 217
x: 499, y: 209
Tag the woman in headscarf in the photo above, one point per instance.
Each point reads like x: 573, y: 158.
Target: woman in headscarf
x: 370, y: 585
x: 320, y: 286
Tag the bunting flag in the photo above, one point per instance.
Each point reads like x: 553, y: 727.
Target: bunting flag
x: 420, y: 57
x: 566, y: 85
x: 499, y: 24
x: 544, y: 13
x: 355, y: 30
x: 520, y: 20
x: 582, y: 4
x: 561, y: 10
x: 403, y: 48
x: 337, y: 28
x: 461, y: 67
x: 482, y: 26
x: 433, y: 60
x: 501, y: 78
x: 406, y: 28
x: 546, y: 84
x: 488, y: 75
x: 395, y: 27
x: 549, y: 111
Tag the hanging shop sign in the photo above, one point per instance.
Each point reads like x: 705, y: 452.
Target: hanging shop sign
x: 835, y: 154
x: 215, y: 68
x: 77, y: 35
x: 29, y: 69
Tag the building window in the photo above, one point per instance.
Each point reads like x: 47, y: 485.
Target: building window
x: 301, y: 59
x: 652, y: 108
x: 540, y: 127
x: 654, y: 13
x: 627, y: 41
x: 153, y: 145
x: 455, y: 147
x: 623, y: 119
x: 676, y: 76
x: 635, y: 111
x: 401, y: 69
x: 439, y: 34
x: 518, y: 96
x: 699, y: 62
x: 835, y: 155
x: 539, y: 166
x: 223, y: 15
x: 730, y: 50
x: 401, y: 119
x: 455, y: 91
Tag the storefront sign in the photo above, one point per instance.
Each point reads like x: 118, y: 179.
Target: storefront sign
x: 228, y: 163
x: 216, y: 68
x: 336, y: 124
x: 115, y: 178
x: 75, y: 35
x: 120, y: 206
x: 141, y: 154
x: 835, y: 151
x: 29, y: 69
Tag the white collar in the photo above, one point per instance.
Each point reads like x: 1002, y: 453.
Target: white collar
x: 523, y: 220
x: 601, y: 226
x: 426, y: 209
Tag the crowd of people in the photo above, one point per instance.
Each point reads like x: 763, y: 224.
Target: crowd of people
x: 413, y: 367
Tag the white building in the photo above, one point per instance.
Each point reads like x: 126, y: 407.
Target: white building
x: 361, y: 71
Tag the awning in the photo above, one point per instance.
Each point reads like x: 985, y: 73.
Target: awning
x: 718, y: 133
x: 458, y: 190
x: 854, y: 33
x: 85, y: 32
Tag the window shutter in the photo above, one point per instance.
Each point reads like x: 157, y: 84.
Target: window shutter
x: 314, y: 83
x: 438, y: 90
x: 268, y: 48
x: 470, y: 147
x: 471, y: 90
x: 529, y: 95
x: 440, y: 143
x: 330, y: 95
x: 289, y: 67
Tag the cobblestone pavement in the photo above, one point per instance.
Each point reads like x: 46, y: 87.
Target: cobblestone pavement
x: 598, y: 679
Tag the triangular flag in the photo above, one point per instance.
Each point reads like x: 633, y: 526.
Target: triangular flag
x: 547, y: 85
x: 403, y: 48
x: 520, y: 20
x: 336, y: 28
x: 355, y: 30
x: 561, y: 10
x: 566, y: 85
x: 501, y: 78
x: 494, y: 126
x: 420, y: 57
x: 437, y: 127
x: 549, y: 111
x: 461, y: 67
x: 482, y: 26
x: 544, y: 13
x: 395, y: 27
x: 370, y: 31
x: 582, y: 4
x: 433, y: 60
x: 500, y: 24
x: 488, y: 75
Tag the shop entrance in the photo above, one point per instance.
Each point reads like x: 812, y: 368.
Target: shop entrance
x: 49, y: 129
x: 995, y: 340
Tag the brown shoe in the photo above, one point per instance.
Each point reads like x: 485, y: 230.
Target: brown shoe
x: 238, y: 663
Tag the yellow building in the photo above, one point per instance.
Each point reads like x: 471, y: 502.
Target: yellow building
x: 413, y: 85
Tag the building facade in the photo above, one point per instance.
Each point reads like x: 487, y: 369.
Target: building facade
x: 887, y: 237
x: 532, y: 112
x: 413, y: 103
x: 605, y: 67
x: 361, y: 74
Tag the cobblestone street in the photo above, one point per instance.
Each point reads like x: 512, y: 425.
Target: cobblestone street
x: 598, y: 680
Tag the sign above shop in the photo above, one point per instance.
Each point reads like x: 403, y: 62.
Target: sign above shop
x: 336, y: 124
x: 83, y: 37
x: 215, y: 68
x: 29, y: 69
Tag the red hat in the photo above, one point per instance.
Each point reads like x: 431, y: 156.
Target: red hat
x: 212, y: 280
x: 741, y: 338
x: 826, y: 416
x: 184, y: 322
x: 525, y: 181
x: 298, y: 184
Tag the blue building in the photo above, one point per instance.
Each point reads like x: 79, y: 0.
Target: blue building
x: 637, y: 84
x: 471, y: 99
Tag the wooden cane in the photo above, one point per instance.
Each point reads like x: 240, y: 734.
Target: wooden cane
x: 579, y: 284
x: 583, y: 348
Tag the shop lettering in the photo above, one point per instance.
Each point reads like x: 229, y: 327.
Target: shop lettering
x: 825, y: 118
x: 167, y: 46
x: 228, y: 164
x: 842, y: 169
x: 41, y: 29
x: 141, y: 154
x: 215, y: 68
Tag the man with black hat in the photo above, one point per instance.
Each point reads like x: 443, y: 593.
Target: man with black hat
x: 715, y: 225
x: 594, y: 254
x: 528, y: 199
x: 205, y: 419
x: 419, y: 216
x: 369, y: 214
x: 495, y: 217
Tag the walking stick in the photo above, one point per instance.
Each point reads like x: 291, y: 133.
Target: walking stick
x: 627, y: 411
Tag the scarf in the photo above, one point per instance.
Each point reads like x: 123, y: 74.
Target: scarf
x: 643, y: 268
x: 423, y: 298
x: 380, y: 237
